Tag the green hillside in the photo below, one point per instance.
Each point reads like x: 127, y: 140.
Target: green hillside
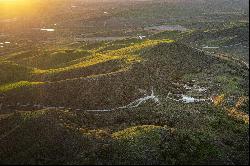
x: 118, y: 82
x: 79, y: 112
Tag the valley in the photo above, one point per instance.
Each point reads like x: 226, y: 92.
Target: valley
x: 118, y: 82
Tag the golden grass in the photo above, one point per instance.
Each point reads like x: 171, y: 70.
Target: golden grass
x: 127, y: 54
x: 11, y: 86
x: 218, y: 100
x: 135, y: 131
x: 236, y: 113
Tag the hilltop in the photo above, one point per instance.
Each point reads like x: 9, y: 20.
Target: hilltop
x: 124, y: 82
x: 153, y: 96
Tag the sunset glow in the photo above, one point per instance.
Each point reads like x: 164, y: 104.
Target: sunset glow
x: 124, y: 82
x: 12, y: 1
x: 14, y: 8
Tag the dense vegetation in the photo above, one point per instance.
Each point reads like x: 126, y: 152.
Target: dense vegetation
x: 169, y: 97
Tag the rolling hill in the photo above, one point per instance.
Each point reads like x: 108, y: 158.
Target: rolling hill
x: 152, y: 102
x: 118, y: 82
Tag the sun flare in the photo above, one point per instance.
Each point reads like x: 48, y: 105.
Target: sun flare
x: 14, y: 8
x: 12, y: 1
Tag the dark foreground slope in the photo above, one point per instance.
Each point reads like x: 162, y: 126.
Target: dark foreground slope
x: 165, y: 103
x: 139, y: 136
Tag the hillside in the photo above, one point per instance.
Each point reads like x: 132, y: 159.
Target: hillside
x: 106, y: 103
x: 121, y: 73
x: 118, y: 82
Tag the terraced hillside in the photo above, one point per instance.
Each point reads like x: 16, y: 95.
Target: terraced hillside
x: 151, y: 101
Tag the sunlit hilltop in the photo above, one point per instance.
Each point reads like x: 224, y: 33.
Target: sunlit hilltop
x: 124, y: 82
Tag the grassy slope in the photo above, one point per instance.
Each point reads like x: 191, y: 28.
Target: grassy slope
x: 172, y: 133
x: 119, y: 88
x: 139, y: 136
